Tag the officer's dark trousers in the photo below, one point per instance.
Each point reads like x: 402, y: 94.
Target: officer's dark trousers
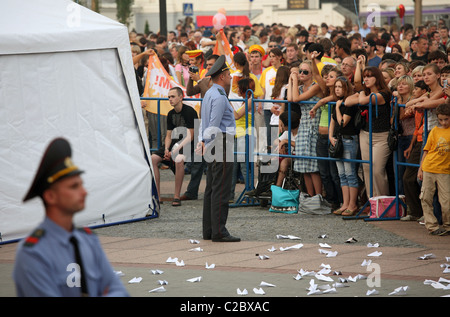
x: 217, y: 193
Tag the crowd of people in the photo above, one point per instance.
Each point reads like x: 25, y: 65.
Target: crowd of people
x: 328, y: 76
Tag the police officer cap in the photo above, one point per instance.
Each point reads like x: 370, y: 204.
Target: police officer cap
x: 55, y: 165
x: 219, y: 66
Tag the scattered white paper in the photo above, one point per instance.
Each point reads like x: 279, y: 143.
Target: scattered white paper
x: 119, y: 273
x: 194, y: 241
x: 306, y: 273
x: 163, y: 282
x: 135, y: 280
x: 195, y: 279
x: 272, y: 249
x: 171, y: 260
x: 264, y: 257
x: 298, y: 277
x: 243, y: 292
x: 296, y: 247
x: 366, y: 262
x: 265, y: 284
x: 427, y: 256
x: 443, y: 280
x: 160, y: 289
x: 351, y: 240
x: 157, y: 272
x: 326, y: 266
x: 375, y: 245
x: 438, y: 285
x: 324, y: 245
x: 356, y: 278
x: 212, y: 266
x: 340, y: 285
x: 337, y: 273
x: 291, y: 237
x: 324, y: 271
x: 197, y: 249
x: 179, y: 263
x: 400, y: 290
x: 323, y: 236
x: 343, y: 280
x: 258, y: 291
x: 324, y: 278
x: 329, y: 254
x: 372, y: 292
x: 376, y: 253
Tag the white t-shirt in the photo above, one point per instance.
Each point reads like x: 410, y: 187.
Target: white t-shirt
x: 267, y: 81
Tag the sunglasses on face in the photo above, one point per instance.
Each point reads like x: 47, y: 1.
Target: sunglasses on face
x: 303, y: 71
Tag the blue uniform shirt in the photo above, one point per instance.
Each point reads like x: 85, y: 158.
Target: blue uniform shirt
x: 44, y: 264
x: 216, y: 113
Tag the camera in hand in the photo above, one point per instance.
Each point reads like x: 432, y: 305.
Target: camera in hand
x: 193, y: 69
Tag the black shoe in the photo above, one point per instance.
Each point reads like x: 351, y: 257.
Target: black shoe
x: 227, y: 239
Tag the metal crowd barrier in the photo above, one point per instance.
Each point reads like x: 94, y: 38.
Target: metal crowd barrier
x: 249, y: 184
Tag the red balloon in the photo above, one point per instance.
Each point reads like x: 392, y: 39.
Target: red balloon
x: 401, y: 11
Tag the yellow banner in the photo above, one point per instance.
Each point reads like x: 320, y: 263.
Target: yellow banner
x: 158, y: 84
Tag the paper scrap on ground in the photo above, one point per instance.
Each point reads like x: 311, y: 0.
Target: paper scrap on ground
x: 376, y: 253
x: 264, y: 257
x: 243, y: 292
x: 324, y: 271
x: 366, y: 262
x: 195, y: 279
x: 194, y: 241
x: 210, y: 266
x: 197, y: 249
x: 356, y: 278
x: 340, y: 285
x: 171, y: 260
x: 323, y: 236
x: 135, y: 280
x: 272, y: 249
x: 119, y: 273
x: 324, y: 245
x: 375, y: 245
x: 163, y: 282
x: 262, y: 284
x: 298, y: 277
x: 297, y: 246
x: 372, y: 292
x: 179, y: 263
x: 160, y: 289
x: 157, y: 272
x: 351, y: 240
x: 258, y: 291
x: 324, y: 278
x: 306, y: 273
x: 329, y: 254
x: 291, y: 237
x: 400, y: 290
x: 427, y: 256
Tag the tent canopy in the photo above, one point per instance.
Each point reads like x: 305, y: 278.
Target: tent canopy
x: 67, y: 71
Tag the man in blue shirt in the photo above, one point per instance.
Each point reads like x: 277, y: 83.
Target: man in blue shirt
x: 58, y: 260
x: 218, y: 127
x: 372, y: 58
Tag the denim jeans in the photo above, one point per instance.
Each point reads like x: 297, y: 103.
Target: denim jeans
x: 239, y: 161
x: 328, y: 172
x: 348, y: 173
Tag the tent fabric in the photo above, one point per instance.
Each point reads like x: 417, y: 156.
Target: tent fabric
x: 68, y: 72
x: 232, y: 20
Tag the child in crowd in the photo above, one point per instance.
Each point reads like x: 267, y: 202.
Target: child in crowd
x: 434, y: 171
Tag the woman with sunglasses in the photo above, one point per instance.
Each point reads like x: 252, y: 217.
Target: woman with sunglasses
x: 306, y: 139
x: 374, y: 84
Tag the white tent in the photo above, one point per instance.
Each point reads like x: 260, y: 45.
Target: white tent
x: 67, y: 71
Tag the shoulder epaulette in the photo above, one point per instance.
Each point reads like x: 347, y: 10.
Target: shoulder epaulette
x: 86, y: 230
x: 221, y: 92
x: 34, y: 238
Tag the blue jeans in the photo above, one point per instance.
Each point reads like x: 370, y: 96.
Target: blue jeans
x: 267, y: 117
x: 239, y: 161
x: 348, y: 174
x: 328, y: 172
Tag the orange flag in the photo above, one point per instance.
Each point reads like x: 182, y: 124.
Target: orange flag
x: 158, y: 84
x: 222, y: 47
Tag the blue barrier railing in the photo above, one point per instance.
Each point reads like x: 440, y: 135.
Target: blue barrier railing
x: 249, y: 184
